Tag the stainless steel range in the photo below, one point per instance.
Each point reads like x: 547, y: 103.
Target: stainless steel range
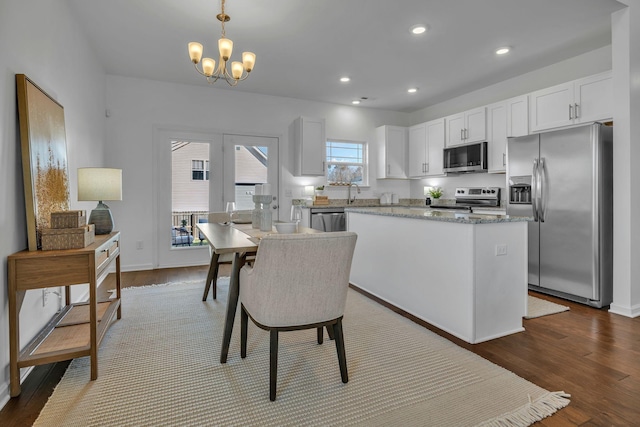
x: 469, y: 197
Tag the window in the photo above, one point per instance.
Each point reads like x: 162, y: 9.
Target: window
x: 200, y: 170
x: 346, y: 162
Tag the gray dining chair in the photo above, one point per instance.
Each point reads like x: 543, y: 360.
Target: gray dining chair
x: 297, y: 281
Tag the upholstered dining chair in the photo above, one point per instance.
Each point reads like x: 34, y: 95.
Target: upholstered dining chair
x: 297, y: 281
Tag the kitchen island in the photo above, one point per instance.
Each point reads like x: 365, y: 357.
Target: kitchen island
x: 463, y: 273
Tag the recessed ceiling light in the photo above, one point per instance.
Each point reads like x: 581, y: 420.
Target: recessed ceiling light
x: 503, y: 50
x: 412, y: 90
x: 345, y: 79
x: 418, y: 29
x: 355, y: 102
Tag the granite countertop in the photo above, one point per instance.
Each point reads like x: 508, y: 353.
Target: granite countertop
x: 427, y: 214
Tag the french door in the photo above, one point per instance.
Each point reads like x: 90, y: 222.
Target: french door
x: 196, y: 173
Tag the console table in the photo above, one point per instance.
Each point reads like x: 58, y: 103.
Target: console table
x: 78, y: 328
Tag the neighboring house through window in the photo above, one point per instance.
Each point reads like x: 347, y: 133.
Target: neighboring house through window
x: 347, y: 162
x: 200, y: 170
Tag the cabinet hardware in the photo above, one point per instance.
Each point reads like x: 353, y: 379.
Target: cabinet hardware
x: 504, y: 159
x: 461, y: 134
x: 570, y: 112
x: 575, y: 110
x: 466, y: 133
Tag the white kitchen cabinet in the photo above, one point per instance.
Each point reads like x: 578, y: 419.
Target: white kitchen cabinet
x: 426, y: 142
x: 497, y: 137
x: 518, y: 116
x: 505, y: 119
x: 469, y: 126
x: 392, y: 151
x: 418, y: 151
x: 580, y: 101
x: 309, y: 143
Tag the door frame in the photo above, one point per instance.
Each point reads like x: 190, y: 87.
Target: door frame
x: 161, y: 134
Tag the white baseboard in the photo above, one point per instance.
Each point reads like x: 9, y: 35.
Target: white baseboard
x: 633, y: 311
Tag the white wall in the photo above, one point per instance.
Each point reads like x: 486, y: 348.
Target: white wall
x: 39, y: 38
x: 137, y: 106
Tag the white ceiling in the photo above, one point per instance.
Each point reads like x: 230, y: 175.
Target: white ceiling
x: 304, y: 46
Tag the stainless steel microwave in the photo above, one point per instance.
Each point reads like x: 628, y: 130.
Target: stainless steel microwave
x: 466, y: 158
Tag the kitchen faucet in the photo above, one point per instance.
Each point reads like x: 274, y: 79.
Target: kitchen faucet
x: 349, y: 201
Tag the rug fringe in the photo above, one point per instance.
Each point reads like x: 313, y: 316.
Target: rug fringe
x: 545, y: 406
x: 158, y: 285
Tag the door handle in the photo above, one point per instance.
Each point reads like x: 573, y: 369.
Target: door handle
x: 576, y: 111
x: 543, y: 180
x: 504, y: 159
x: 466, y: 133
x: 534, y: 188
x: 570, y: 112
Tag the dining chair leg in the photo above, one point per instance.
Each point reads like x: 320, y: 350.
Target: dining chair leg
x: 330, y: 332
x: 342, y: 357
x: 244, y: 320
x: 273, y: 362
x: 320, y: 335
x: 212, y: 277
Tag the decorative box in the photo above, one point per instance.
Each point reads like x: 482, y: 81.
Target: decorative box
x: 321, y: 201
x: 68, y: 238
x: 68, y: 219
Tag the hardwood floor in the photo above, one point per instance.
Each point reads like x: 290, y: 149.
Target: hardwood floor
x: 588, y: 353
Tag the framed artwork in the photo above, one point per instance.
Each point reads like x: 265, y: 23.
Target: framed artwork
x: 44, y: 157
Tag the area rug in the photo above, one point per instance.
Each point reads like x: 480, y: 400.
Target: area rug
x: 537, y: 307
x: 159, y: 366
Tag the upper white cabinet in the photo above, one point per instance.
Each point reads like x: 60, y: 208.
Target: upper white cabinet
x: 309, y: 143
x: 426, y: 142
x: 505, y: 119
x: 392, y: 151
x: 470, y: 126
x: 580, y: 101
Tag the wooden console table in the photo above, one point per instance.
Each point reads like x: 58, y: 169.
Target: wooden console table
x: 75, y: 331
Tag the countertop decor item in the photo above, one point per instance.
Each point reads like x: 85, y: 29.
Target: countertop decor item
x: 239, y: 70
x: 99, y: 184
x: 435, y: 192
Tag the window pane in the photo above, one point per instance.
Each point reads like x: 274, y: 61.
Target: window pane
x: 344, y: 173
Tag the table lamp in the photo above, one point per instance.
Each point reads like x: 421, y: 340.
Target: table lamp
x: 99, y: 184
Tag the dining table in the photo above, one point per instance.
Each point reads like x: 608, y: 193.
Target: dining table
x: 241, y: 240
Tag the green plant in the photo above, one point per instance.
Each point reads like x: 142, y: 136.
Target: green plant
x: 184, y: 222
x: 320, y: 188
x: 435, y: 192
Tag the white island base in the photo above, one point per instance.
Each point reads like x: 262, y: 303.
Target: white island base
x: 466, y: 278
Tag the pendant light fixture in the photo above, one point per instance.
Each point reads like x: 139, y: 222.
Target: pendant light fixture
x: 239, y: 70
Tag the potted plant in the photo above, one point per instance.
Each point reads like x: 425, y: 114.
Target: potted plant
x: 436, y: 192
x: 319, y: 190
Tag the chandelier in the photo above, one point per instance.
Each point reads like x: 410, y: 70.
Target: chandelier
x: 239, y: 70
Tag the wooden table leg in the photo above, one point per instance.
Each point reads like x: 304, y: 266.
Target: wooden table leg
x: 232, y: 304
x: 212, y: 277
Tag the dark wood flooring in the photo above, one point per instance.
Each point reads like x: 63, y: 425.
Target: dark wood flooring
x: 588, y: 353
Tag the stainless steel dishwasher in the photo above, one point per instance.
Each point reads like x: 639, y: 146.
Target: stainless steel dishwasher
x: 328, y: 219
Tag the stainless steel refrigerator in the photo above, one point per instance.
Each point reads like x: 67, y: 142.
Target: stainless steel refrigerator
x: 564, y: 180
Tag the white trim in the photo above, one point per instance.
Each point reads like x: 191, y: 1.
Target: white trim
x: 632, y: 312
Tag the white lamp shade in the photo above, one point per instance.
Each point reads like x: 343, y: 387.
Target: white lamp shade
x: 98, y: 184
x: 248, y: 60
x: 195, y: 52
x: 225, y: 46
x: 208, y: 65
x: 236, y: 69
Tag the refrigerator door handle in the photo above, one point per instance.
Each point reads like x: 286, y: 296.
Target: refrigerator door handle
x: 534, y: 188
x: 543, y: 188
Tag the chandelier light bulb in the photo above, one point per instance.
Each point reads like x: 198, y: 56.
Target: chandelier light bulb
x: 248, y: 60
x: 195, y: 52
x: 236, y: 69
x: 226, y: 47
x: 208, y: 65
